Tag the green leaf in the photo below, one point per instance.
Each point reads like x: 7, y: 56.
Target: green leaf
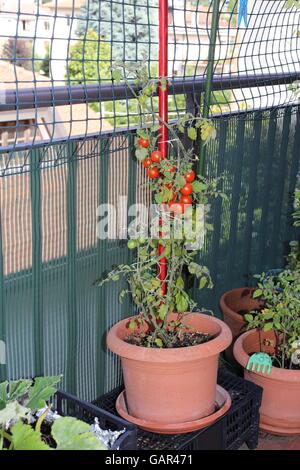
x: 163, y: 311
x: 42, y: 390
x: 13, y: 410
x: 203, y: 282
x: 117, y: 75
x: 180, y: 181
x: 248, y: 317
x: 132, y: 325
x: 155, y: 128
x: 122, y: 295
x: 182, y: 304
x: 167, y: 250
x: 268, y: 315
x: 159, y: 198
x: 3, y: 394
x: 19, y: 388
x: 199, y: 187
x: 257, y: 293
x: 268, y: 326
x: 180, y: 282
x: 192, y: 133
x: 159, y: 342
x: 141, y: 154
x: 26, y: 438
x: 72, y: 434
x: 10, y: 391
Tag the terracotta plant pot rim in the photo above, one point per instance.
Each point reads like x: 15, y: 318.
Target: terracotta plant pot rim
x: 186, y: 354
x: 223, y: 400
x: 276, y: 373
x: 231, y: 313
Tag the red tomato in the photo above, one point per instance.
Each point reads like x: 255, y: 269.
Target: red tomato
x: 143, y: 142
x: 147, y: 162
x: 190, y: 176
x: 187, y: 189
x: 156, y: 156
x: 169, y: 185
x: 153, y: 173
x: 186, y: 200
x: 176, y: 207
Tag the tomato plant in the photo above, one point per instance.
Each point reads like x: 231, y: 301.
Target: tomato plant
x: 172, y: 181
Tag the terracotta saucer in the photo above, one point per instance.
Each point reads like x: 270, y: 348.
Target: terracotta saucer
x: 223, y: 403
x: 278, y: 430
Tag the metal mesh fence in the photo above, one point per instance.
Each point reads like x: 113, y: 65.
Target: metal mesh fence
x: 62, y: 153
x: 56, y: 58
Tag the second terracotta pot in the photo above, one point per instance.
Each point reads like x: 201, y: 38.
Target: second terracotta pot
x: 171, y: 385
x: 280, y: 409
x: 234, y: 304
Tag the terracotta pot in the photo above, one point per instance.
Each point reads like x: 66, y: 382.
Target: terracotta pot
x: 280, y: 409
x: 231, y: 303
x: 171, y: 386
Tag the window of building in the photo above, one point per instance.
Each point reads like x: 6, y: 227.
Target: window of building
x: 25, y: 25
x: 46, y: 25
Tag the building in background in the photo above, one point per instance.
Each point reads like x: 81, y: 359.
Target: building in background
x: 189, y: 38
x: 58, y: 122
x: 45, y: 26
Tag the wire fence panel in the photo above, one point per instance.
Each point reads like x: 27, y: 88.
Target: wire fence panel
x: 57, y: 56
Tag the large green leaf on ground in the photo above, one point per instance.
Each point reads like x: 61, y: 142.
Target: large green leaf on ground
x: 26, y: 438
x: 72, y: 434
x: 12, y: 411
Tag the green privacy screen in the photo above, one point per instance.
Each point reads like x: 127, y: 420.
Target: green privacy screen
x: 53, y: 318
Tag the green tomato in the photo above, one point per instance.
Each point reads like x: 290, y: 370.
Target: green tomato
x: 131, y: 244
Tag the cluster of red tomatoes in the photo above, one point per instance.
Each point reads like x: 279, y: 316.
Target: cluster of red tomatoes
x: 152, y: 162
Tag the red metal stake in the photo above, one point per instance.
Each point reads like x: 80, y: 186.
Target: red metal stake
x: 163, y: 107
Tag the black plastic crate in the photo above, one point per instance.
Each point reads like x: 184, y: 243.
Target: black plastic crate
x: 68, y: 405
x: 238, y: 426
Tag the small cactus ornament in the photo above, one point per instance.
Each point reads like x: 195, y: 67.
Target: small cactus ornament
x: 260, y: 362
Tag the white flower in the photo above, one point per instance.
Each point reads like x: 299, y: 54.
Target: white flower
x: 296, y: 344
x: 296, y: 357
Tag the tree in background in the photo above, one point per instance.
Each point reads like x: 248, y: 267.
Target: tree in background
x: 89, y: 60
x: 19, y: 52
x: 45, y: 63
x: 127, y: 24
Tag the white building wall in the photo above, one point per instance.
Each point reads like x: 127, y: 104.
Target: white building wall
x: 21, y: 20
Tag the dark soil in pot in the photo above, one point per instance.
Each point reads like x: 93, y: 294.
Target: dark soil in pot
x: 177, y: 339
